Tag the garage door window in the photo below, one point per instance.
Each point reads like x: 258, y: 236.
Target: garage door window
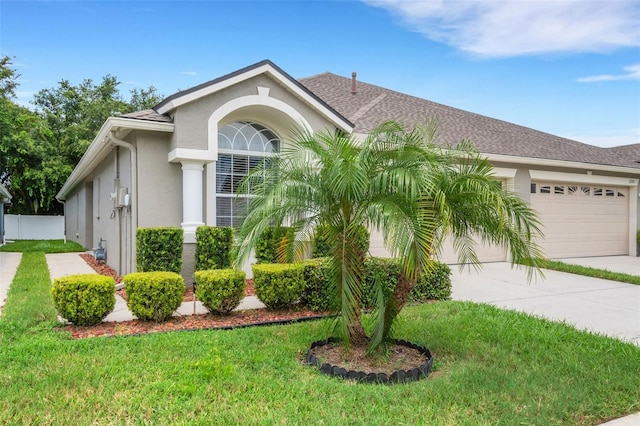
x: 574, y: 190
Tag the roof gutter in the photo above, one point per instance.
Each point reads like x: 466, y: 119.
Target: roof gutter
x: 560, y: 163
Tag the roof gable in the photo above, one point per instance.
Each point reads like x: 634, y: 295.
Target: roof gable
x: 263, y: 67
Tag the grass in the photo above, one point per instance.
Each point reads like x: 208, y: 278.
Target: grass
x: 591, y: 272
x: 491, y: 367
x: 46, y: 246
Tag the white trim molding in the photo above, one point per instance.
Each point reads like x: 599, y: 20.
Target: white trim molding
x: 261, y: 99
x: 581, y: 178
x: 500, y: 158
x: 191, y: 198
x: 185, y: 154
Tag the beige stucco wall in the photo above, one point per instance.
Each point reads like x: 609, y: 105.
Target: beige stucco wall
x: 159, y: 182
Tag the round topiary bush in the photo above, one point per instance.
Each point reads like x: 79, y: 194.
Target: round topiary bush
x: 220, y: 290
x: 154, y: 296
x: 84, y: 299
x: 278, y: 285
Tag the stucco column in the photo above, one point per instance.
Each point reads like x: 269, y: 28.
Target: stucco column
x: 191, y: 198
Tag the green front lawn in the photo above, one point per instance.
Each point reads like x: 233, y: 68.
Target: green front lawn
x: 590, y: 272
x: 491, y: 367
x: 46, y: 246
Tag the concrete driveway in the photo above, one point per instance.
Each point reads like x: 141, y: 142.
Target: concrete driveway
x: 601, y: 306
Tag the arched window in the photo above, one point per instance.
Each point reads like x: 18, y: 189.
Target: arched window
x: 241, y: 147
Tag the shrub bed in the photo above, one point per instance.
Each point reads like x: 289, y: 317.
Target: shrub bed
x: 153, y: 296
x: 278, y: 285
x: 159, y: 249
x: 84, y: 299
x: 213, y: 247
x: 220, y: 290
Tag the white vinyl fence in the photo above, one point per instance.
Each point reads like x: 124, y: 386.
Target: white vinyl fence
x: 20, y: 227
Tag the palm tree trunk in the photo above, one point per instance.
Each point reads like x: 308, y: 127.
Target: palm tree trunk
x: 402, y: 291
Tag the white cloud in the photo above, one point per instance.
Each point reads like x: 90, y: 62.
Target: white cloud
x: 188, y: 72
x: 632, y: 73
x: 612, y: 138
x: 133, y: 83
x: 503, y: 28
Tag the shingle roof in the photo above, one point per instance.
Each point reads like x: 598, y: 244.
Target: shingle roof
x: 148, y: 115
x: 629, y: 154
x: 372, y: 105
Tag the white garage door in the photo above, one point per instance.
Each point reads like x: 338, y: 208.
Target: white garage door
x: 448, y: 255
x: 582, y: 220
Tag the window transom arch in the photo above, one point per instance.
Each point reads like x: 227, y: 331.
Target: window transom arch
x: 242, y: 146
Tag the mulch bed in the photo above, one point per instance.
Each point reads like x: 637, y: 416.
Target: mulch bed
x: 186, y: 322
x: 191, y: 322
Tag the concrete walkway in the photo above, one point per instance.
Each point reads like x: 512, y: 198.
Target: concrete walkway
x: 8, y: 265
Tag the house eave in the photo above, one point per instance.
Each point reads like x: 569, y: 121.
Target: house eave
x: 561, y: 163
x: 101, y: 145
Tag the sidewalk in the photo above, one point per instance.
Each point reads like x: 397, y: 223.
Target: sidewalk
x: 71, y: 263
x: 8, y: 265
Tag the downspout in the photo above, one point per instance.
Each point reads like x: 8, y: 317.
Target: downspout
x: 64, y: 215
x: 134, y: 191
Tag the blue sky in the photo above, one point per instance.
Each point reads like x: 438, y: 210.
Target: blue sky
x: 570, y: 68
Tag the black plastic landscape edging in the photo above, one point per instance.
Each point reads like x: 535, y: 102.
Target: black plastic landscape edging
x: 398, y: 376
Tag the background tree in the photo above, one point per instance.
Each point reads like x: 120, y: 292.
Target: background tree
x: 39, y: 148
x: 400, y: 182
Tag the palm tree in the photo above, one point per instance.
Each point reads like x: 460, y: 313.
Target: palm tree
x: 400, y: 182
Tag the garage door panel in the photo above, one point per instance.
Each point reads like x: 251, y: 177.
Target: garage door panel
x: 486, y: 253
x: 582, y: 220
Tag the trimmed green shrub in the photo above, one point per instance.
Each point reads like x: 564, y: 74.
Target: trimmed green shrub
x: 159, y: 249
x: 380, y: 270
x: 322, y: 248
x: 84, y: 299
x: 272, y: 242
x: 220, y: 290
x: 154, y: 296
x: 433, y: 285
x: 278, y: 285
x: 318, y: 294
x: 213, y: 247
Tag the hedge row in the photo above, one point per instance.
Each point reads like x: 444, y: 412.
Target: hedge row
x: 309, y: 283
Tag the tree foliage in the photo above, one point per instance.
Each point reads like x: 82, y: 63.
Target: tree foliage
x: 401, y: 182
x: 39, y: 147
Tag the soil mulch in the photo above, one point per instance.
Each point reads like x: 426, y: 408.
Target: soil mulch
x: 191, y: 322
x: 398, y: 357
